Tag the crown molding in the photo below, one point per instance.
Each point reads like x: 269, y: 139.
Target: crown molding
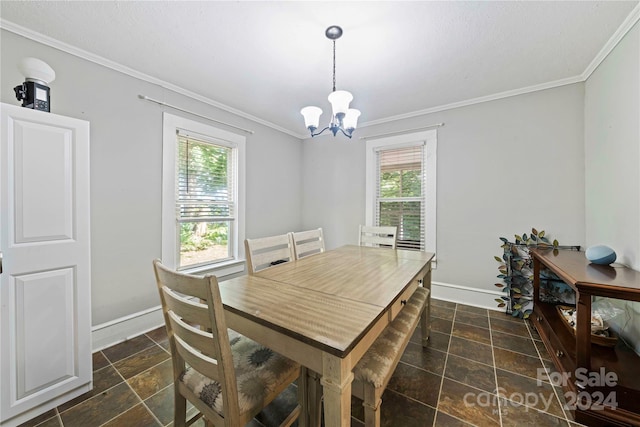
x: 622, y: 31
x: 73, y: 50
x: 624, y: 28
x: 473, y: 101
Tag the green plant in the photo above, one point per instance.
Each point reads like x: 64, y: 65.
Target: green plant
x: 516, y: 271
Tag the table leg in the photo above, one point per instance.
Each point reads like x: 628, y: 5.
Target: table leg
x: 336, y: 383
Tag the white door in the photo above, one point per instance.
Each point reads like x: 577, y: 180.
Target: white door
x: 45, y: 314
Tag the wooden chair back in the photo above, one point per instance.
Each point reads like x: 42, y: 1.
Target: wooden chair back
x: 378, y: 236
x: 266, y: 252
x: 307, y: 243
x: 194, y: 317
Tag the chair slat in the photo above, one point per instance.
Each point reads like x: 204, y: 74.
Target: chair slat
x: 262, y: 252
x: 193, y: 336
x: 185, y: 284
x: 190, y: 311
x: 307, y: 242
x: 378, y: 235
x: 206, y: 365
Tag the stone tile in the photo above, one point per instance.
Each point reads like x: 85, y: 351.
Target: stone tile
x: 98, y: 360
x: 127, y: 348
x: 141, y: 361
x: 103, y: 379
x: 158, y: 335
x: 443, y: 303
x: 280, y: 408
x: 469, y: 404
x: 501, y: 315
x: 514, y: 343
x: 542, y: 350
x: 161, y: 405
x: 471, y: 350
x: 138, y: 416
x: 437, y: 340
x: 442, y: 312
x: 154, y: 379
x: 398, y: 410
x: 517, y: 363
x: 471, y: 373
x: 529, y: 392
x: 446, y: 420
x: 533, y: 331
x: 470, y: 332
x: 510, y: 327
x: 515, y: 415
x: 471, y: 310
x: 416, y: 384
x: 441, y: 325
x: 102, y: 407
x: 49, y: 416
x: 472, y: 319
x: 52, y: 422
x: 425, y: 358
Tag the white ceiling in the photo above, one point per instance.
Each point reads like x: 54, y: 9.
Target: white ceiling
x: 270, y: 59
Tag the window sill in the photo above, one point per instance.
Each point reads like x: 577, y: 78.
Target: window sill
x: 220, y: 270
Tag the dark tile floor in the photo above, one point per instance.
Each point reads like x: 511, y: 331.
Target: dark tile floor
x: 481, y: 368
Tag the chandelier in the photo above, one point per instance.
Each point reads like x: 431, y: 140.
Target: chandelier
x: 344, y: 119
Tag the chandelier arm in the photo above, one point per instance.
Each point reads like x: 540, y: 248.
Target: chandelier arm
x: 318, y: 133
x: 348, y: 135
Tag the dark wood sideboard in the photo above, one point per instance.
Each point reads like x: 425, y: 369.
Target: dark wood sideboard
x: 601, y: 401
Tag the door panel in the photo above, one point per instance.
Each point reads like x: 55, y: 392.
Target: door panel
x: 45, y: 300
x: 42, y: 173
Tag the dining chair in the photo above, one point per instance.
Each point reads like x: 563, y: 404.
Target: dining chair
x: 266, y: 252
x: 378, y: 236
x: 307, y: 243
x: 227, y: 377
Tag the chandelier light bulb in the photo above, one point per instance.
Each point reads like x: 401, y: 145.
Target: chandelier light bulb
x: 350, y: 121
x: 311, y: 117
x: 340, y: 100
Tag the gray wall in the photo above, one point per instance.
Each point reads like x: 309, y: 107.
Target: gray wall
x: 126, y: 170
x: 612, y: 161
x: 503, y: 167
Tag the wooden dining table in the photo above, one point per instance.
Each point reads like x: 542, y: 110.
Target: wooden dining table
x: 324, y: 311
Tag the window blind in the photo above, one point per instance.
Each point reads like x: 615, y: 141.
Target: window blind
x: 205, y: 187
x: 400, y: 193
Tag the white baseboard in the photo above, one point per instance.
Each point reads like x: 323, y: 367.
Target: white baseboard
x: 482, y: 298
x: 119, y: 330
x: 124, y: 328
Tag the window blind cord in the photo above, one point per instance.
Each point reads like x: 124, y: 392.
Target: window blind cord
x: 146, y: 98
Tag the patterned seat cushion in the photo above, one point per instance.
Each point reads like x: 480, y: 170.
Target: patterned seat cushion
x: 259, y: 371
x: 377, y: 363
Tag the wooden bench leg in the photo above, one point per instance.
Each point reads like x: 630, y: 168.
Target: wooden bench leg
x: 303, y: 397
x: 315, y: 399
x: 371, y: 404
x: 425, y: 324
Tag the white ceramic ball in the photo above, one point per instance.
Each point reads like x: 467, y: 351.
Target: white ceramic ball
x: 600, y: 254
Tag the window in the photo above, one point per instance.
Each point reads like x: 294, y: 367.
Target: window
x: 401, y: 187
x: 203, y: 197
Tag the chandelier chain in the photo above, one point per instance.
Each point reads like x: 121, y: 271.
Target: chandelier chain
x: 334, y: 65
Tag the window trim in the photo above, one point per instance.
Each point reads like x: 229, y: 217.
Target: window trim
x: 171, y: 124
x: 430, y: 140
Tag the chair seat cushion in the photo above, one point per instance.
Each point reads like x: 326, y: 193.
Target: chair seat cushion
x: 377, y: 363
x: 259, y: 371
